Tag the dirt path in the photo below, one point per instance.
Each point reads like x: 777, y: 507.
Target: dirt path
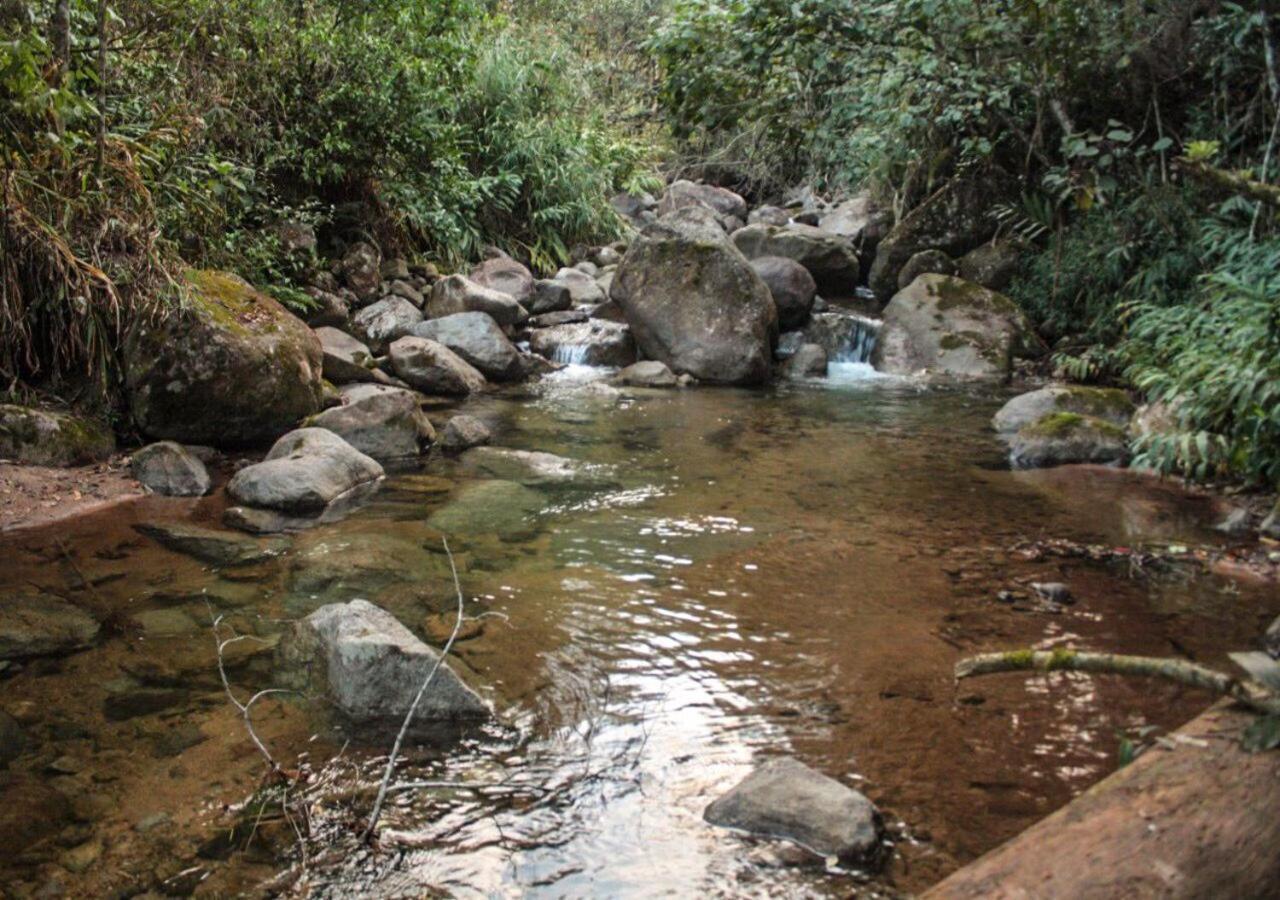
x: 34, y: 496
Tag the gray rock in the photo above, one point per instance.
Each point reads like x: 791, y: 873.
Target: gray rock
x: 361, y: 270
x: 926, y: 262
x: 609, y: 311
x: 401, y: 288
x: 584, y: 290
x: 549, y: 297
x: 535, y: 469
x: 478, y: 339
x: 394, y: 269
x: 683, y: 194
x: 388, y: 320
x: 502, y: 508
x: 560, y: 317
x: 305, y: 471
x: 385, y: 423
x: 694, y: 302
x: 43, y: 626
x: 852, y: 218
x: 792, y: 287
x: 44, y: 438
x: 991, y: 265
x: 461, y: 433
x: 828, y: 257
x: 505, y: 275
x: 606, y: 282
x: 809, y: 361
x: 1066, y: 438
x: 332, y: 309
x: 372, y: 668
x: 458, y: 294
x: 605, y: 257
x: 587, y: 267
x: 769, y: 215
x: 345, y: 359
x: 593, y: 343
x: 632, y: 207
x: 1104, y: 403
x: 648, y: 374
x: 786, y: 799
x: 209, y: 545
x: 943, y: 325
x: 536, y: 366
x: 433, y: 368
x: 169, y: 469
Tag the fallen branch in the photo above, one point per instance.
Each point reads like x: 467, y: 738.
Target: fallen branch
x: 413, y: 707
x: 1243, y: 690
x: 1230, y: 182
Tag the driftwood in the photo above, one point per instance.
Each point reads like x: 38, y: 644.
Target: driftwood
x: 1243, y: 690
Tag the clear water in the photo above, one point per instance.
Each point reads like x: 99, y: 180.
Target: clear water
x: 791, y: 571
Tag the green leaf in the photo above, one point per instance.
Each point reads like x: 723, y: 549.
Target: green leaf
x: 1262, y: 734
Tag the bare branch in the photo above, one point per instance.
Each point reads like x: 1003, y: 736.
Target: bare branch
x: 1246, y: 691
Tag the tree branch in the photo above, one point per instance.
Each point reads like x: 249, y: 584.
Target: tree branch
x: 1246, y: 691
x: 1230, y: 182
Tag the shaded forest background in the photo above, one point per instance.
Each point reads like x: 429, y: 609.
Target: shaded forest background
x: 139, y: 137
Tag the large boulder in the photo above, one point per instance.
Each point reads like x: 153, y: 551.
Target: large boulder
x: 828, y: 257
x: 943, y: 325
x: 43, y: 626
x: 505, y: 275
x: 305, y: 471
x: 371, y: 667
x: 230, y: 367
x: 458, y: 294
x: 955, y: 219
x: 43, y: 438
x: 791, y: 286
x: 593, y: 343
x: 479, y: 340
x: 786, y: 799
x: 433, y: 368
x: 991, y: 265
x: 384, y: 423
x: 345, y: 359
x: 857, y: 218
x: 170, y: 469
x: 1064, y: 438
x: 725, y: 204
x: 388, y: 320
x: 694, y: 302
x: 926, y: 262
x: 549, y: 297
x: 1025, y: 409
x: 769, y: 215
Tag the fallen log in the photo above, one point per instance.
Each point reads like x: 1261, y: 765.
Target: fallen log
x: 1191, y: 818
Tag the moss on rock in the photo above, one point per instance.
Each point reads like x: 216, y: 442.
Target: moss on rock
x: 45, y: 438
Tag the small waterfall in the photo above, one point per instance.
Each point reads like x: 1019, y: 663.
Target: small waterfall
x: 571, y: 354
x: 860, y: 342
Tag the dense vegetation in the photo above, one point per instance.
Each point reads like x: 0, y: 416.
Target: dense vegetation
x: 142, y: 135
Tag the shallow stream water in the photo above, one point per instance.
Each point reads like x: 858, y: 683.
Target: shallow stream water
x: 747, y: 574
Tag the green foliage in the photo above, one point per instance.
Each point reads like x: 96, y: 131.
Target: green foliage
x: 1262, y: 734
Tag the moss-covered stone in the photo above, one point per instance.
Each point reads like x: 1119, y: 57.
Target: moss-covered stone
x: 45, y: 438
x: 1064, y: 437
x: 229, y: 366
x: 1108, y: 404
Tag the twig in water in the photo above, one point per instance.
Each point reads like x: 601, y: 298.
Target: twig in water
x: 1243, y: 690
x: 413, y: 707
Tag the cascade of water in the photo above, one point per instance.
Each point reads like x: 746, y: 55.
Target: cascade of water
x: 571, y: 354
x: 861, y: 341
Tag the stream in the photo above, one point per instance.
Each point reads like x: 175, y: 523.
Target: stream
x: 746, y: 574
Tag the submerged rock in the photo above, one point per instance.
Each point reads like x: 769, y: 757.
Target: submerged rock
x: 1064, y: 438
x: 649, y: 374
x: 169, y: 469
x: 43, y: 438
x: 478, y: 339
x: 502, y: 508
x: 534, y: 468
x: 372, y: 667
x: 305, y: 471
x: 231, y: 367
x: 218, y: 548
x: 694, y: 302
x: 1104, y: 403
x: 458, y: 294
x: 791, y: 286
x: 943, y: 325
x: 433, y: 368
x: 829, y: 258
x: 30, y: 811
x: 384, y: 423
x: 592, y: 343
x: 786, y: 799
x: 462, y: 433
x: 43, y: 626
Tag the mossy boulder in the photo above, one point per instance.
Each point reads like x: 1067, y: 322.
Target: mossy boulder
x: 955, y: 220
x: 1064, y: 438
x: 1108, y: 404
x: 947, y: 326
x: 43, y: 438
x: 229, y: 367
x: 694, y: 303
